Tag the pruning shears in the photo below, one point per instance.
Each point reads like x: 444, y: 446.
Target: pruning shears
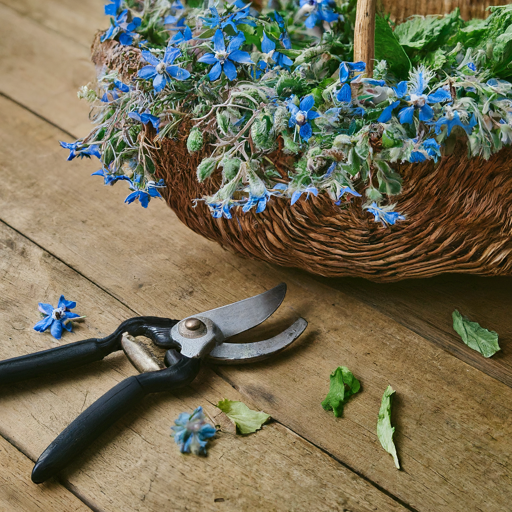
x: 187, y: 342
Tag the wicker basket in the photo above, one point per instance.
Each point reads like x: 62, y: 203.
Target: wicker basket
x: 459, y: 211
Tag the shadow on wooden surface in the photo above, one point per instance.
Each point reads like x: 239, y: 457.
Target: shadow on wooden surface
x: 425, y: 306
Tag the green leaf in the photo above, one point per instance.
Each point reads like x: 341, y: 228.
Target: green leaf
x: 205, y: 168
x: 390, y: 182
x: 246, y: 420
x: 290, y: 53
x: 207, y: 34
x: 343, y: 385
x: 389, y: 49
x: 384, y: 429
x: 474, y: 336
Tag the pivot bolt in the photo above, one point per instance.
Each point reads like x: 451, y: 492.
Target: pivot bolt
x: 194, y: 324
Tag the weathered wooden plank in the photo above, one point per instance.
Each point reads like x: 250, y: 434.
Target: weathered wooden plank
x: 452, y: 420
x: 425, y: 306
x: 18, y: 493
x: 136, y: 465
x: 43, y: 70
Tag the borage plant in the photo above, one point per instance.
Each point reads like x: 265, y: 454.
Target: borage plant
x: 254, y: 86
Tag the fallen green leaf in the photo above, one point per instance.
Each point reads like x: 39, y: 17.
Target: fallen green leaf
x: 384, y: 429
x: 474, y: 336
x: 343, y: 385
x: 246, y: 420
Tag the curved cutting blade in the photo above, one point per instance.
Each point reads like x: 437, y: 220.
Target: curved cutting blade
x: 246, y: 314
x: 237, y: 353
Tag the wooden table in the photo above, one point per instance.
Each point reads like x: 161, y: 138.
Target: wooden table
x: 62, y: 231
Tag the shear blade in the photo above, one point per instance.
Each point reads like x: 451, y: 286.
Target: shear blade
x: 248, y: 313
x: 236, y: 353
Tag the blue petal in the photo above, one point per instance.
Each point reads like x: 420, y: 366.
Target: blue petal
x: 131, y: 197
x: 215, y: 72
x: 241, y: 57
x: 438, y: 96
x: 267, y: 45
x: 159, y: 82
x: 229, y: 70
x: 417, y: 157
x: 406, y: 115
x: 68, y: 304
x: 295, y: 197
x: 150, y: 58
x: 344, y: 72
x: 313, y: 114
x: 218, y: 41
x: 345, y: 94
x: 307, y: 102
x: 426, y: 113
x: 236, y: 42
x: 171, y: 54
x: 136, y: 116
x: 312, y: 20
x: 178, y: 73
x: 387, y: 112
x: 125, y: 39
x: 67, y: 325
x: 208, y: 58
x: 56, y: 329
x: 47, y: 309
x: 43, y: 324
x: 147, y: 72
x: 401, y: 89
x: 144, y: 199
x: 306, y: 131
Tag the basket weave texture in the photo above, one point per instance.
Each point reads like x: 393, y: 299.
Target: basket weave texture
x: 458, y: 212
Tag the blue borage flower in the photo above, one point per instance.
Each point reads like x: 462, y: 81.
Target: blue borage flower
x: 145, y: 194
x: 451, y: 119
x: 302, y: 114
x: 268, y: 48
x: 384, y: 214
x: 120, y: 26
x: 145, y: 118
x: 281, y: 59
x: 237, y: 18
x: 418, y: 82
x: 308, y: 190
x: 182, y: 36
x: 318, y: 11
x: 223, y: 60
x: 347, y: 74
x: 191, y: 432
x: 110, y: 178
x: 162, y: 70
x: 114, y: 90
x: 80, y: 149
x: 426, y: 150
x: 58, y: 318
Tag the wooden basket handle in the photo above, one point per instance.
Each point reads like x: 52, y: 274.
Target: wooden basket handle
x: 364, y: 34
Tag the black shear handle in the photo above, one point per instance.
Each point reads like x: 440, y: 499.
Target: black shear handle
x: 83, y: 352
x: 106, y: 411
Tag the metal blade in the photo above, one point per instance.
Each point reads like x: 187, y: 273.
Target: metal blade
x: 236, y: 353
x: 246, y: 314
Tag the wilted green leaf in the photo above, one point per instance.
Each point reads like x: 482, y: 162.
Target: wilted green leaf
x: 343, y: 385
x: 474, y: 336
x: 384, y: 429
x: 206, y: 168
x: 246, y: 420
x: 390, y: 182
x: 388, y: 48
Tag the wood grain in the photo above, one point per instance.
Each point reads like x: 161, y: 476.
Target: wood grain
x: 364, y: 34
x: 18, y: 493
x: 402, y: 9
x: 451, y: 419
x: 136, y: 465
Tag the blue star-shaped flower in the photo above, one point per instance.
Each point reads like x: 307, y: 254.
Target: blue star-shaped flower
x: 161, y: 70
x: 58, y: 318
x: 143, y: 195
x: 120, y: 26
x: 182, y: 36
x: 234, y: 19
x: 177, y: 9
x: 384, y: 214
x: 308, y: 190
x: 319, y: 11
x: 451, y: 119
x: 268, y: 48
x: 191, y: 432
x: 80, y: 149
x: 145, y: 118
x: 223, y: 60
x: 420, y: 101
x: 301, y: 115
x: 110, y: 178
